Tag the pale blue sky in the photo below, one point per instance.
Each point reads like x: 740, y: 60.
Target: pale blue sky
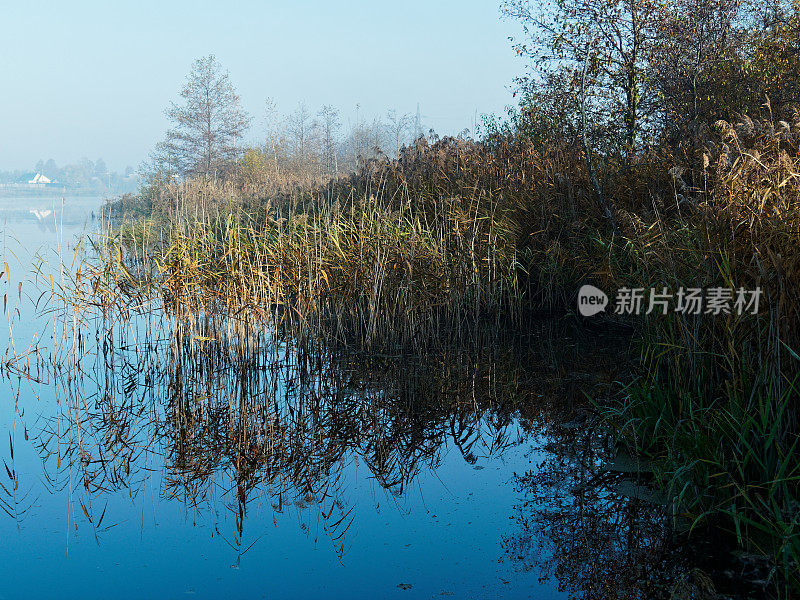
x: 91, y: 78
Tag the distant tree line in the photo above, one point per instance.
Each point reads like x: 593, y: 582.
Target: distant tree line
x: 314, y: 145
x: 83, y: 174
x: 208, y: 126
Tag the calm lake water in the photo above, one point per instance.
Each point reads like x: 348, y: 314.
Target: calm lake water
x: 151, y: 471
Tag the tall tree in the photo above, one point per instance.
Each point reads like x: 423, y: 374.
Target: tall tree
x: 774, y: 52
x: 418, y: 133
x: 208, y: 124
x: 275, y: 139
x: 330, y: 128
x: 301, y: 132
x: 100, y: 168
x: 398, y: 126
x: 696, y: 65
x: 612, y: 38
x: 50, y: 169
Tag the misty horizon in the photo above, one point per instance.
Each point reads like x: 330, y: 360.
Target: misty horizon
x: 90, y: 84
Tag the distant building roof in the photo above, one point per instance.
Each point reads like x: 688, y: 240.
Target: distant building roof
x: 40, y: 179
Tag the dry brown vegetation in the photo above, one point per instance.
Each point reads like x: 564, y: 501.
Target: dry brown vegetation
x: 616, y: 171
x: 456, y: 234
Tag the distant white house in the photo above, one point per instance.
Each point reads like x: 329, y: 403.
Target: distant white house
x: 40, y: 180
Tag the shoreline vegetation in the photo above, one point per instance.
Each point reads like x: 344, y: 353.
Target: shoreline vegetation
x: 424, y: 251
x: 453, y: 236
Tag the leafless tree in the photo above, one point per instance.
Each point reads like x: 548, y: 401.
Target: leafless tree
x: 301, y: 129
x: 418, y: 132
x: 207, y: 125
x: 330, y: 129
x: 274, y: 139
x: 399, y: 126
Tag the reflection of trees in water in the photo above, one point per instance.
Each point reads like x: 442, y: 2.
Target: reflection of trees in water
x: 226, y: 416
x: 594, y: 542
x: 597, y: 527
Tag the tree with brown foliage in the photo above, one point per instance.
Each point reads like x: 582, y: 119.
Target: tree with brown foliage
x: 619, y: 38
x: 695, y: 60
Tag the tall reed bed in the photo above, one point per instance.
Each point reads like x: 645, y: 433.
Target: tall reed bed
x: 367, y: 271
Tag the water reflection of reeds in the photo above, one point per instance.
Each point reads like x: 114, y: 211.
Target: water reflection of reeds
x: 226, y: 412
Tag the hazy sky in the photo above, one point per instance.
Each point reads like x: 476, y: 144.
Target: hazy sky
x: 91, y: 78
